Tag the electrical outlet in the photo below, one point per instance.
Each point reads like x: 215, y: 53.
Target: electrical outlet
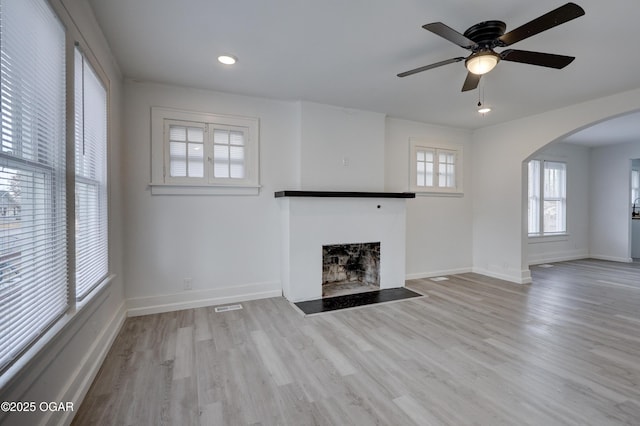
x: 188, y: 283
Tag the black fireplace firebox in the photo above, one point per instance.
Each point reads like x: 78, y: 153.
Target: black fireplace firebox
x: 350, y: 268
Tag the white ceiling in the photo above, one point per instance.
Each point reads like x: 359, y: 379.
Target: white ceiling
x: 347, y: 53
x: 622, y: 129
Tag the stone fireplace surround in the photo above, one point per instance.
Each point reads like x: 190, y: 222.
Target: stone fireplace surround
x: 313, y: 219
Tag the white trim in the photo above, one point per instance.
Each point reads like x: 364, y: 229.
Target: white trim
x: 182, y: 189
x: 611, y: 258
x: 79, y: 383
x: 559, y: 256
x: 420, y: 275
x: 549, y: 238
x: 523, y: 278
x: 196, y: 299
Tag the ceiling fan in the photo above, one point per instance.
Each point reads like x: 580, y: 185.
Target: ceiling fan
x: 482, y: 38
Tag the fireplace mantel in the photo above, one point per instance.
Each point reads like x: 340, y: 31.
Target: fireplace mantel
x: 344, y: 194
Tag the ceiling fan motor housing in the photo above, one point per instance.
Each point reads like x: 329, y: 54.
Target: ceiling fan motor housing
x: 485, y: 34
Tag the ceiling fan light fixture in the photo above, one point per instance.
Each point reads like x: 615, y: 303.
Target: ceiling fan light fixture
x: 482, y: 62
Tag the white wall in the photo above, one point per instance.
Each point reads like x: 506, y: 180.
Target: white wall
x: 575, y: 245
x: 499, y: 206
x: 610, y: 187
x: 64, y: 365
x: 341, y: 148
x: 228, y: 245
x: 438, y: 227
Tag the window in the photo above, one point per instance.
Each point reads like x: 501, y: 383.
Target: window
x: 92, y: 260
x: 547, y: 198
x: 38, y: 206
x: 635, y: 188
x: 200, y: 153
x: 33, y: 231
x: 435, y: 169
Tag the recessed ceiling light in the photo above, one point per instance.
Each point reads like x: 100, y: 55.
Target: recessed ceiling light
x: 227, y: 59
x: 484, y: 110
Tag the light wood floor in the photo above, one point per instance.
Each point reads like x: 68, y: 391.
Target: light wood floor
x: 476, y: 350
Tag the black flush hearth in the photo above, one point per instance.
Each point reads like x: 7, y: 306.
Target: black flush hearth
x: 328, y: 304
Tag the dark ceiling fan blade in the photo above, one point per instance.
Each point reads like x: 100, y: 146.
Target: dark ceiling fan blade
x: 428, y: 67
x: 471, y: 82
x: 536, y: 58
x: 549, y: 20
x: 450, y: 34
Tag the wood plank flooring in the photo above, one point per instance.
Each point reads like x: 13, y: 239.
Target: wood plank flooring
x: 475, y: 351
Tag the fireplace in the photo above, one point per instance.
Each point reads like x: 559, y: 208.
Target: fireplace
x: 313, y: 220
x: 350, y: 268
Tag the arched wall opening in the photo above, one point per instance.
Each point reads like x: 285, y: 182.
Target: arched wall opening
x: 588, y: 207
x: 499, y: 219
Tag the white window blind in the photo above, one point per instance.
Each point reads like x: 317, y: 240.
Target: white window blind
x: 186, y: 150
x: 228, y: 153
x: 547, y: 213
x: 555, y: 196
x: 92, y: 264
x: 534, y: 197
x: 425, y: 160
x: 33, y: 248
x: 446, y: 169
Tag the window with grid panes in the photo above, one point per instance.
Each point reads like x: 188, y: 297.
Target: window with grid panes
x: 200, y: 153
x: 435, y: 169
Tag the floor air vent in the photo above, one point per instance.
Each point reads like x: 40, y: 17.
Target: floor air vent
x: 228, y: 308
x: 439, y: 279
x: 545, y: 265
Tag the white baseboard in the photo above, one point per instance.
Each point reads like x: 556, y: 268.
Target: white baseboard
x: 524, y: 277
x: 611, y: 258
x: 437, y: 273
x: 79, y: 384
x: 558, y: 257
x: 196, y: 299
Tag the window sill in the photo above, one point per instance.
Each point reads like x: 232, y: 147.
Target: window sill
x: 183, y: 189
x: 537, y: 239
x: 437, y: 194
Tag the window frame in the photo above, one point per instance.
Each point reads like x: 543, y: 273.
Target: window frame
x: 416, y: 145
x: 541, y: 198
x: 164, y: 184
